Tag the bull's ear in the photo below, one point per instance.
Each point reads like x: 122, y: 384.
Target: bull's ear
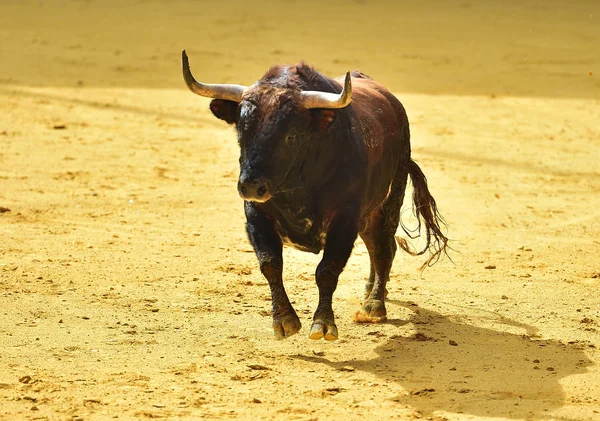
x: 225, y: 110
x: 322, y: 119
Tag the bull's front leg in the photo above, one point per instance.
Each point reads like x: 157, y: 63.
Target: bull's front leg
x: 339, y: 242
x: 268, y: 248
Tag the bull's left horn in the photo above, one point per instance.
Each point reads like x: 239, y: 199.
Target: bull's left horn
x: 219, y: 91
x: 318, y: 99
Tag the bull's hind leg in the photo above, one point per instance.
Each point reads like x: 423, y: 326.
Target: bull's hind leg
x: 268, y: 248
x: 379, y: 237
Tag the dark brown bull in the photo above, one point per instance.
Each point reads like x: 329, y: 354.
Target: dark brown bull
x: 321, y: 163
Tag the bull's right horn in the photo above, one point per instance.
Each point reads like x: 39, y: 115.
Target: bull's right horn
x: 227, y: 92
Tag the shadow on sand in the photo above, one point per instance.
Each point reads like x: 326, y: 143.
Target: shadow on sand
x: 452, y: 365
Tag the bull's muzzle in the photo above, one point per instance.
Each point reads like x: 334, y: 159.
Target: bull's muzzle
x: 254, y: 190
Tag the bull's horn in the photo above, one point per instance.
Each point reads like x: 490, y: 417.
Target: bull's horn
x: 318, y: 99
x: 220, y: 91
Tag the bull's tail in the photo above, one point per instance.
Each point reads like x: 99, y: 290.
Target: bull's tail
x: 426, y: 211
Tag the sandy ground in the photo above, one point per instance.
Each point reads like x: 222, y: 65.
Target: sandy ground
x: 128, y: 288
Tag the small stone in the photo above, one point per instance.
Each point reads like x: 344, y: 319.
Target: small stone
x: 254, y: 400
x: 25, y: 379
x: 3, y: 209
x: 526, y: 275
x: 453, y: 343
x: 490, y: 267
x: 347, y: 368
x: 257, y: 367
x: 422, y: 392
x: 421, y: 337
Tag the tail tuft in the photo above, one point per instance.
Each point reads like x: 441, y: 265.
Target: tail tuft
x: 426, y: 211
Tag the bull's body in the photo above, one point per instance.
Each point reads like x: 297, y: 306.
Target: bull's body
x: 315, y: 178
x: 353, y: 168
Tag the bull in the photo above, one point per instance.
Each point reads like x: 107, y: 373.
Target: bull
x: 322, y: 161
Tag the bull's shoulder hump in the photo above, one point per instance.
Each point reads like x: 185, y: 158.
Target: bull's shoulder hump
x: 369, y: 90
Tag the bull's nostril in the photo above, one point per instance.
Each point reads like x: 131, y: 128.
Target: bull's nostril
x: 260, y: 192
x: 244, y: 190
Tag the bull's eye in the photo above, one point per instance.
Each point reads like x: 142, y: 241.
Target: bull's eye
x: 290, y: 138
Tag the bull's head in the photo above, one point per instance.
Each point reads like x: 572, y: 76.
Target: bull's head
x: 272, y: 124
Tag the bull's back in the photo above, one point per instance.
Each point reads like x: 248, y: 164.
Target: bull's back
x: 380, y: 120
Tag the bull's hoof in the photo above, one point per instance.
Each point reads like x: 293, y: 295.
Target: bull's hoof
x: 286, y: 326
x: 373, y: 311
x: 322, y: 329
